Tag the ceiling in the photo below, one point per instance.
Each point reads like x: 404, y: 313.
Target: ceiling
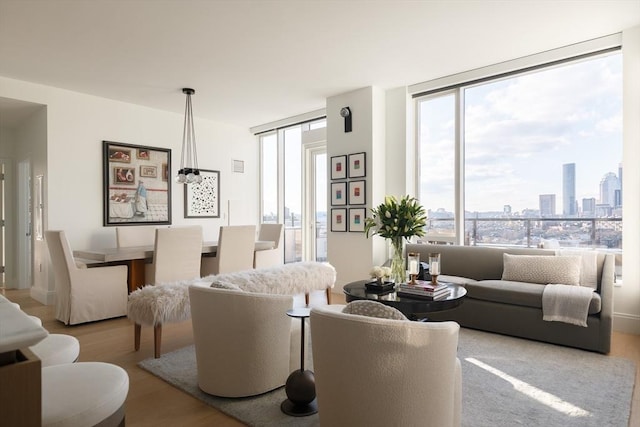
x: 253, y: 62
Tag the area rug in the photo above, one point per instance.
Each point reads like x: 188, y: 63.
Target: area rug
x: 505, y: 382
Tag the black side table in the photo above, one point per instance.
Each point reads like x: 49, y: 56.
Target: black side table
x: 301, y: 384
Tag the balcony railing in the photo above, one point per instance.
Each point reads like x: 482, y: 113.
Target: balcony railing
x: 530, y: 232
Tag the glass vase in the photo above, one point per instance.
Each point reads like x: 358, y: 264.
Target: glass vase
x: 398, y: 270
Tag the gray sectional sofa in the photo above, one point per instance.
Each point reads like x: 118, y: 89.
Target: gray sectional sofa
x: 515, y: 308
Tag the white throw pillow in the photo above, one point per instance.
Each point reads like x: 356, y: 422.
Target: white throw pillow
x: 589, y: 267
x: 542, y: 269
x: 373, y: 309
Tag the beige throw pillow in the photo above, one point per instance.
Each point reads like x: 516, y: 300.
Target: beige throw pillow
x: 542, y: 269
x: 373, y: 309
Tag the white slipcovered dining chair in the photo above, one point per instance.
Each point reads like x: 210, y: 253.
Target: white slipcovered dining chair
x: 176, y: 257
x: 245, y: 342
x: 236, y: 244
x: 85, y: 294
x: 269, y: 257
x: 383, y: 372
x: 135, y: 235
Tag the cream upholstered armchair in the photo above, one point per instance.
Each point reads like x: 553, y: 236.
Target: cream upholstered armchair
x: 269, y: 257
x: 85, y: 294
x: 380, y: 372
x: 244, y: 344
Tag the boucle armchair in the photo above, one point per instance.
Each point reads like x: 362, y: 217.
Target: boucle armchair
x: 243, y: 341
x: 380, y: 372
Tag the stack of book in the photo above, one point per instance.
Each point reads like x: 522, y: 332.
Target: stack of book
x: 424, y: 289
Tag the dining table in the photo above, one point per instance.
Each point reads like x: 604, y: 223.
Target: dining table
x: 135, y: 257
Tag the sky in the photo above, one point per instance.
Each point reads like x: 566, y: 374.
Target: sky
x: 520, y: 131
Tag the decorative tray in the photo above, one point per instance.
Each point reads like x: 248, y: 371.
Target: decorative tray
x: 377, y: 287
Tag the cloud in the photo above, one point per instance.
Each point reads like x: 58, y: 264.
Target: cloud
x: 519, y: 132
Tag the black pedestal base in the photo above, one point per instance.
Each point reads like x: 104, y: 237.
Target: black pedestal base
x: 301, y: 394
x: 290, y: 408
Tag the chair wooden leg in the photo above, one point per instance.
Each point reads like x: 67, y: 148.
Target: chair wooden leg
x: 136, y: 336
x: 306, y: 299
x: 328, y: 296
x: 157, y: 340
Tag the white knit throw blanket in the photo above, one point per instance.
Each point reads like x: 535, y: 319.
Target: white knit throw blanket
x: 169, y: 302
x: 566, y: 303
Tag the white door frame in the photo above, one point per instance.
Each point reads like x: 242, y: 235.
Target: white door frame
x: 309, y: 231
x: 24, y: 233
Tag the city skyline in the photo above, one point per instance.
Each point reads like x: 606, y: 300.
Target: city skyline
x: 519, y: 131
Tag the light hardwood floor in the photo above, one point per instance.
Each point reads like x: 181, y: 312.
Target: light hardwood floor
x: 153, y: 402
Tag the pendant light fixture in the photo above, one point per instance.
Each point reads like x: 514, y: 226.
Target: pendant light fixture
x: 189, y: 172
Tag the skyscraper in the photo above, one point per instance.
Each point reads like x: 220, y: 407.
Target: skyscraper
x: 569, y: 189
x: 589, y: 207
x: 547, y: 205
x: 608, y: 187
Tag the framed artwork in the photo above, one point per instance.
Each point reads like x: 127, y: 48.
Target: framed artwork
x: 148, y: 171
x: 133, y: 193
x: 338, y: 193
x: 339, y: 219
x: 339, y: 167
x: 357, y: 194
x: 356, y: 219
x: 203, y: 200
x: 357, y: 165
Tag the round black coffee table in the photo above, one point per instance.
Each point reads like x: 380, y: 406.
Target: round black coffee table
x: 413, y: 308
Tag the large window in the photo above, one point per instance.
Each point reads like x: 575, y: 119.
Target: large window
x: 293, y: 188
x: 540, y: 157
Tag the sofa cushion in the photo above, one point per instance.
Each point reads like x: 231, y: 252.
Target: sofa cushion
x: 458, y: 280
x: 373, y: 309
x: 517, y: 293
x: 542, y: 269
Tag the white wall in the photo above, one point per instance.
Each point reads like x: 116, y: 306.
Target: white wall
x: 78, y: 123
x: 352, y: 254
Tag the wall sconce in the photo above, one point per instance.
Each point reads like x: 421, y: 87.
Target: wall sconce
x: 346, y: 113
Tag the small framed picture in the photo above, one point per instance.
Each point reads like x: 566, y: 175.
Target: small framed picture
x: 165, y: 172
x: 144, y: 154
x: 124, y: 175
x: 119, y: 154
x: 148, y: 171
x: 357, y: 193
x: 357, y: 165
x: 203, y: 200
x: 339, y: 167
x: 356, y: 219
x: 339, y: 219
x: 338, y: 193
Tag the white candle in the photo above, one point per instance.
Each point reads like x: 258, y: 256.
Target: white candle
x: 413, y: 267
x: 434, y: 267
